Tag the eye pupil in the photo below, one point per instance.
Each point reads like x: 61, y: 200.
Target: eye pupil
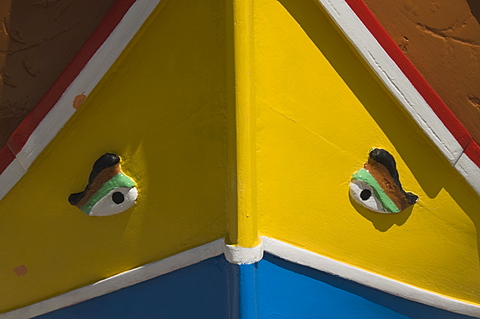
x: 365, y: 194
x: 118, y: 198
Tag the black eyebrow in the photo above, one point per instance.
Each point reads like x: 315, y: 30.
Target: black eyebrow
x: 105, y: 161
x: 383, y: 157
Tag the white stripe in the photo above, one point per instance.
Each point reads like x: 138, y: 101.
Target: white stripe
x: 275, y: 247
x: 84, y: 83
x: 397, y: 288
x: 120, y: 281
x: 10, y: 176
x: 394, y: 79
x: 344, y: 17
x: 470, y: 170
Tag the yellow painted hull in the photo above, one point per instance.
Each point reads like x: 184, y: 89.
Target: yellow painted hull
x: 238, y: 120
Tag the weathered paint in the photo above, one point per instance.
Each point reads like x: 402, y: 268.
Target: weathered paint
x: 318, y: 109
x: 21, y: 270
x: 162, y: 107
x: 81, y: 75
x: 54, y: 94
x: 38, y: 40
x: 78, y: 100
x: 400, y: 76
x: 441, y: 39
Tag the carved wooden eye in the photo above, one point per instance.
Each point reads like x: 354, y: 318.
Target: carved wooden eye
x: 108, y: 192
x: 364, y: 194
x: 377, y: 186
x: 116, y: 201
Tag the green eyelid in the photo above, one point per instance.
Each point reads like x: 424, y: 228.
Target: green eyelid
x: 119, y: 180
x: 365, y: 176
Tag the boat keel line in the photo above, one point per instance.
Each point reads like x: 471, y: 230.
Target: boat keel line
x: 245, y: 256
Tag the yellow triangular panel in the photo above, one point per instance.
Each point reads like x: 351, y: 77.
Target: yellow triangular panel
x: 266, y: 91
x: 320, y: 110
x: 162, y: 109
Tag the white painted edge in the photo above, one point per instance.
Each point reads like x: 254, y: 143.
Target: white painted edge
x: 243, y: 256
x: 344, y: 17
x: 393, y: 78
x: 470, y: 171
x: 234, y: 254
x: 239, y: 256
x: 397, y: 288
x: 120, y: 281
x: 10, y: 176
x: 84, y: 83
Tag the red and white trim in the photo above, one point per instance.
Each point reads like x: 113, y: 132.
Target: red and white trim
x: 404, y: 81
x: 81, y: 76
x: 126, y: 17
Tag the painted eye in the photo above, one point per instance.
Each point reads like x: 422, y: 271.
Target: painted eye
x: 108, y: 192
x: 377, y: 186
x: 116, y: 201
x: 364, y: 194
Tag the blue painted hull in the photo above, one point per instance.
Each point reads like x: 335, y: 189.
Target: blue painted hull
x: 271, y: 288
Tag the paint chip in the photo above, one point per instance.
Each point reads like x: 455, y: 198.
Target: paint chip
x: 79, y: 99
x: 21, y: 270
x: 474, y: 101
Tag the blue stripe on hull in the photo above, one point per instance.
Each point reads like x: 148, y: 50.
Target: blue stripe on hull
x: 272, y: 288
x: 247, y: 281
x: 198, y: 291
x: 288, y: 290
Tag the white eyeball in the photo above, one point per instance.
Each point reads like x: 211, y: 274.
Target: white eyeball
x: 363, y: 194
x: 116, y: 201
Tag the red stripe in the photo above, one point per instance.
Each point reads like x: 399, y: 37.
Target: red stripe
x: 436, y: 103
x: 18, y: 139
x: 120, y: 7
x: 6, y: 157
x: 473, y: 152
